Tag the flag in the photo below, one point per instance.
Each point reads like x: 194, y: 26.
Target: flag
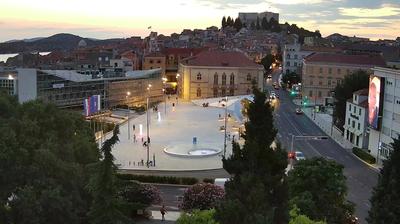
x: 86, y: 107
x: 149, y: 27
x: 92, y: 105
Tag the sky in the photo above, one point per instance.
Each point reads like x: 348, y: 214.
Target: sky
x: 19, y: 19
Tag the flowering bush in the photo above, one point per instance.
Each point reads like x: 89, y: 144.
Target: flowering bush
x: 144, y: 194
x: 201, y: 196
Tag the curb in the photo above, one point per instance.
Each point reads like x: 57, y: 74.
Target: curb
x: 371, y: 166
x: 170, y: 170
x: 167, y: 185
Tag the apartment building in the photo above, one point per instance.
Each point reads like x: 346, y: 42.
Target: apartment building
x: 384, y: 111
x: 154, y: 60
x: 321, y: 72
x: 218, y: 73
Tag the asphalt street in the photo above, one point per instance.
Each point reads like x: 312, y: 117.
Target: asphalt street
x: 360, y: 177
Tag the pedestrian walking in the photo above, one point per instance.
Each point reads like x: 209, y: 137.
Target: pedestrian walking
x: 142, y: 139
x: 134, y: 138
x: 163, y: 210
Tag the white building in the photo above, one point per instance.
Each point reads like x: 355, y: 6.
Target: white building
x: 8, y: 82
x: 388, y: 127
x: 293, y: 57
x: 251, y: 17
x: 355, y: 128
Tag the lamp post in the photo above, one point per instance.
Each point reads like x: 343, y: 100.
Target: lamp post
x: 165, y: 95
x: 226, y: 122
x: 177, y: 88
x: 148, y: 126
x: 129, y: 112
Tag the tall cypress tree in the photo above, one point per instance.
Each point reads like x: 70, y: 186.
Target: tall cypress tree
x: 229, y: 21
x: 385, y: 200
x: 257, y: 191
x: 264, y: 23
x: 258, y: 26
x: 238, y: 24
x: 223, y: 23
x: 106, y: 206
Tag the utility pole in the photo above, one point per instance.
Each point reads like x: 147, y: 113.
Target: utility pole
x: 226, y: 122
x: 148, y: 127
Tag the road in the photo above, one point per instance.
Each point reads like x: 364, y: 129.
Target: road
x: 360, y: 177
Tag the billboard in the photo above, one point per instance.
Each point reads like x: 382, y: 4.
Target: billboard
x: 374, y: 98
x: 92, y: 105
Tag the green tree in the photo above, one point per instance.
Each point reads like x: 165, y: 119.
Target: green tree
x: 265, y: 24
x: 258, y: 26
x: 238, y: 24
x: 257, y: 192
x: 44, y: 154
x: 267, y: 61
x: 252, y: 25
x: 107, y: 206
x: 223, y: 23
x: 344, y: 91
x: 297, y: 218
x: 229, y: 21
x: 385, y: 200
x: 198, y: 217
x: 318, y: 188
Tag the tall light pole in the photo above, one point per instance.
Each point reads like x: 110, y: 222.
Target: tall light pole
x: 129, y: 112
x: 226, y: 122
x: 177, y: 88
x: 148, y: 126
x: 165, y: 96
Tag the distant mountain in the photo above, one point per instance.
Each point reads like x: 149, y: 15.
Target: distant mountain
x: 57, y: 42
x: 25, y: 40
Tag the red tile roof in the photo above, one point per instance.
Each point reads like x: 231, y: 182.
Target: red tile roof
x: 366, y: 60
x: 221, y: 59
x: 183, y: 51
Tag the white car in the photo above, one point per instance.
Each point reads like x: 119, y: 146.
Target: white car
x: 299, y: 156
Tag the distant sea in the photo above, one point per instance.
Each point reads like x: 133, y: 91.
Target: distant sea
x: 4, y: 57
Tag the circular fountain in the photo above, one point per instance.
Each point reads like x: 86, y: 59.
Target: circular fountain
x: 192, y: 150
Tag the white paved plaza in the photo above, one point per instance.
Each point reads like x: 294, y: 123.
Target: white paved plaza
x: 175, y: 131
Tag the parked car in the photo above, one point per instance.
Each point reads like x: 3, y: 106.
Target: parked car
x: 269, y: 76
x: 299, y: 156
x: 299, y: 111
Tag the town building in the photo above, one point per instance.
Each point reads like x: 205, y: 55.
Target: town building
x: 8, y: 83
x: 218, y: 73
x: 355, y: 128
x: 384, y: 111
x: 153, y: 61
x: 321, y: 72
x: 68, y: 88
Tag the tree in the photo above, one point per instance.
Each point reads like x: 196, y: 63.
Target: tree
x: 106, y: 206
x: 385, y: 198
x: 223, y: 23
x: 198, y: 217
x: 44, y: 154
x: 296, y: 218
x: 265, y: 23
x: 257, y: 191
x: 318, y: 188
x: 267, y: 61
x: 258, y: 26
x: 292, y: 78
x: 229, y: 21
x: 252, y: 25
x: 238, y: 24
x: 344, y: 91
x: 202, y: 196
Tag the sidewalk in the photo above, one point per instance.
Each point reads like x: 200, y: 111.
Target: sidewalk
x: 170, y: 218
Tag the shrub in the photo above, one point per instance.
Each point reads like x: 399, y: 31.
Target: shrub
x: 208, y: 180
x: 159, y: 179
x: 144, y: 194
x: 198, y: 217
x: 364, y: 155
x: 201, y: 196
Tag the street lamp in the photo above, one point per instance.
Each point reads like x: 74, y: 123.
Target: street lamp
x: 165, y: 95
x: 129, y: 112
x: 226, y: 122
x: 177, y: 88
x: 148, y: 126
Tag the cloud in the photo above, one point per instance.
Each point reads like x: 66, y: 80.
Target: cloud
x: 384, y: 11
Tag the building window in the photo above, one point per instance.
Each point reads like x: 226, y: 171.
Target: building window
x: 223, y: 79
x: 338, y: 81
x: 295, y: 56
x: 215, y: 92
x: 311, y: 82
x: 310, y: 93
x: 359, y: 111
x: 329, y: 83
x: 232, y: 79
x: 295, y: 64
x: 198, y: 77
x: 319, y: 94
x: 223, y: 92
x: 159, y: 62
x: 248, y: 78
x: 288, y: 63
x: 320, y: 70
x: 231, y: 91
x: 248, y: 91
x: 357, y: 140
x: 353, y: 124
x: 330, y: 70
x: 359, y: 126
x: 348, y: 121
x: 215, y: 79
x: 288, y: 56
x: 339, y: 71
x: 151, y: 61
x: 320, y: 83
x: 198, y: 93
x: 350, y: 107
x: 354, y: 110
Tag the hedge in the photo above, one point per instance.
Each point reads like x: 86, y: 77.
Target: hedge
x: 159, y: 179
x: 364, y: 155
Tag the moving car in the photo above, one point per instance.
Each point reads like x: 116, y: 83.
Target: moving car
x: 299, y: 111
x: 269, y: 76
x: 299, y: 156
